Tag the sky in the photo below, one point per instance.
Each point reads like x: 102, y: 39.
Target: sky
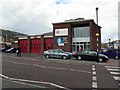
x: 35, y: 17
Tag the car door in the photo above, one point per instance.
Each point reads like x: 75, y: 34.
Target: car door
x: 92, y: 55
x: 51, y: 53
x: 58, y: 54
x: 85, y: 55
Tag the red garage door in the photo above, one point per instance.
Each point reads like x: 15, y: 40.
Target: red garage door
x: 23, y: 45
x: 35, y: 45
x: 48, y: 43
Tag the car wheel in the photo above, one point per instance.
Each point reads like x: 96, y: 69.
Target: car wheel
x: 64, y: 57
x: 47, y: 56
x: 100, y: 60
x: 79, y: 57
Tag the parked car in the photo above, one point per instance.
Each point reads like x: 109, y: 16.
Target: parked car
x: 4, y: 49
x: 89, y: 55
x: 1, y: 49
x: 11, y: 50
x: 57, y: 53
x: 111, y: 53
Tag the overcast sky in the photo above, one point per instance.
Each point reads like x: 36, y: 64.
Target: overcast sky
x: 36, y: 16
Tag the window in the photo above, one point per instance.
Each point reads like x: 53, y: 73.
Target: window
x: 59, y: 51
x: 92, y: 53
x: 85, y: 52
x: 81, y: 32
x: 77, y: 45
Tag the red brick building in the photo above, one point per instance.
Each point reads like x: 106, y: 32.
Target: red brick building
x: 74, y: 34
x: 70, y: 35
x: 36, y: 43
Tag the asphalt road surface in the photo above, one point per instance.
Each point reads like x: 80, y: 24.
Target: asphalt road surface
x: 57, y: 74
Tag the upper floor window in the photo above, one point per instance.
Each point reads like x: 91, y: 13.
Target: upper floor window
x: 81, y: 31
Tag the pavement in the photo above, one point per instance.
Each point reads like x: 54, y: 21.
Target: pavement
x: 33, y: 55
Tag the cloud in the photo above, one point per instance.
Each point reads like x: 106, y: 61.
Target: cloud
x: 26, y: 16
x: 62, y: 1
x: 37, y: 16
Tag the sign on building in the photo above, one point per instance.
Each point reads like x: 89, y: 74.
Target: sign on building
x: 61, y: 32
x: 60, y: 42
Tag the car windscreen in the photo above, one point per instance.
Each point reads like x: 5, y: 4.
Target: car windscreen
x: 59, y: 51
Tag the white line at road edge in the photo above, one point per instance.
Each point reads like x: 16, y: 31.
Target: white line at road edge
x: 31, y: 81
x: 26, y: 84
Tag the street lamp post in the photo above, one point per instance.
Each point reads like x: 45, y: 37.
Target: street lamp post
x: 97, y: 15
x: 97, y: 35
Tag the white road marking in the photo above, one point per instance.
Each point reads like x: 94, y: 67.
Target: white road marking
x: 22, y: 58
x: 29, y: 84
x: 113, y: 69
x: 116, y: 77
x: 94, y: 72
x: 84, y: 71
x: 93, y: 69
x: 94, y: 78
x: 23, y: 80
x: 116, y: 73
x: 50, y: 67
x: 33, y: 59
x: 94, y: 84
x: 93, y: 66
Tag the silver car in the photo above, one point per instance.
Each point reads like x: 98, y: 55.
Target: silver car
x: 57, y: 53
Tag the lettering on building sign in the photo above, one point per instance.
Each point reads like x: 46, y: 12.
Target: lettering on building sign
x: 61, y: 32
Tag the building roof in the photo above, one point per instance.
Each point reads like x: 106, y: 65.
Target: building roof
x: 77, y: 21
x: 49, y: 33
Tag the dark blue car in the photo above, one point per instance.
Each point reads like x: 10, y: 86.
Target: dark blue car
x: 111, y: 53
x: 11, y: 50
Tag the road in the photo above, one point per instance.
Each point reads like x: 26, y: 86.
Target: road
x: 37, y: 72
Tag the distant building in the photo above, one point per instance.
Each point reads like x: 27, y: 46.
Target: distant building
x: 7, y: 37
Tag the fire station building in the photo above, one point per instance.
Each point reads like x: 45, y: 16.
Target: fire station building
x: 71, y: 35
x: 36, y: 43
x: 74, y: 34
